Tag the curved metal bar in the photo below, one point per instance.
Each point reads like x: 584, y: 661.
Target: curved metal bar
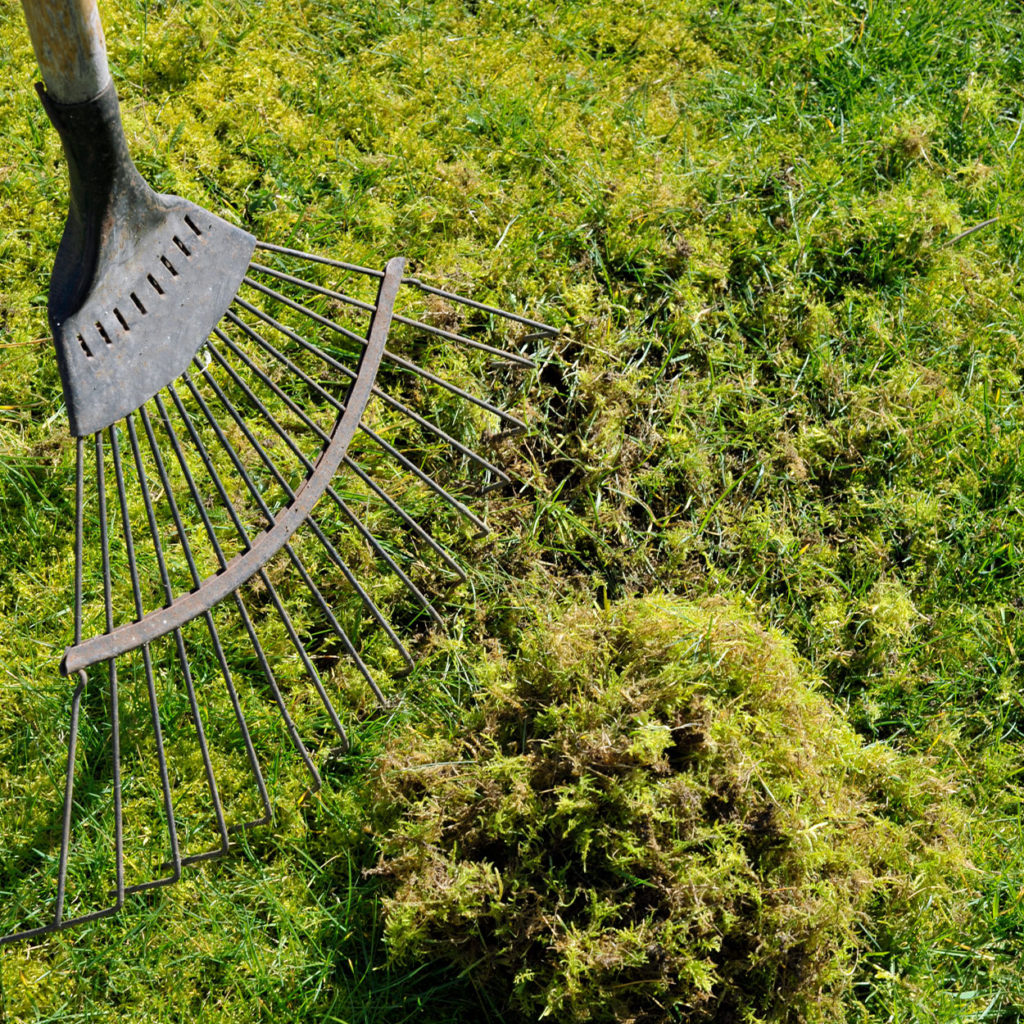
x: 238, y: 570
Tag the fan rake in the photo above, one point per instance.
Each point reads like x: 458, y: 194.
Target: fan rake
x: 289, y: 448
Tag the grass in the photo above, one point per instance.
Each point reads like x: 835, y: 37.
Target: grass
x: 784, y: 243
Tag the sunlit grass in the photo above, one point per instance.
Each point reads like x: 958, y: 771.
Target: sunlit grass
x: 790, y: 372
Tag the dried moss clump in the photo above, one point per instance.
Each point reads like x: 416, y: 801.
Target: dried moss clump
x: 652, y: 815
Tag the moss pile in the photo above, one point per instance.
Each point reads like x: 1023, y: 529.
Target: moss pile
x: 651, y: 815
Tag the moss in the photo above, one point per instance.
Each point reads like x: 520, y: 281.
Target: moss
x: 652, y: 814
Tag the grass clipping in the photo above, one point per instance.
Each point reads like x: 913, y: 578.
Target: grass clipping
x: 651, y: 814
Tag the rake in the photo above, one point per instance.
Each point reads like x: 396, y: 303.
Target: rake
x: 239, y: 421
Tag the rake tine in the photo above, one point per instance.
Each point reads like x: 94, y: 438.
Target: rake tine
x: 345, y: 332
x: 503, y: 477
x: 512, y: 357
x: 343, y: 636
x: 237, y: 462
x: 59, y: 923
x: 313, y: 258
x: 311, y: 671
x: 314, y: 526
x: 364, y: 596
x: 165, y: 578
x: 393, y: 402
x: 427, y: 479
x: 545, y: 329
x: 261, y: 656
x: 367, y: 307
x: 293, y: 406
x: 69, y: 794
x: 204, y: 455
x: 445, y: 496
x: 147, y: 660
x: 264, y: 412
x: 275, y: 690
x: 391, y: 563
x: 115, y: 715
x: 408, y: 364
x: 211, y: 626
x: 406, y: 518
x: 79, y: 532
x: 254, y: 490
x: 76, y: 700
x: 405, y: 364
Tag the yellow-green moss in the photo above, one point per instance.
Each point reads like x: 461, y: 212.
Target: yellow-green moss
x: 653, y: 814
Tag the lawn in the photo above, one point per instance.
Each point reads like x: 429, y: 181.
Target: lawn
x: 782, y: 418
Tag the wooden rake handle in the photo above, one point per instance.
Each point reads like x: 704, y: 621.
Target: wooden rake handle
x: 67, y: 37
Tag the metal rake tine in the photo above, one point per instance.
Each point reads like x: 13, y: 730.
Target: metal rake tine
x: 58, y: 923
x: 165, y: 579
x: 69, y: 793
x: 512, y: 357
x: 449, y: 499
x: 261, y: 656
x: 293, y: 406
x: 313, y: 426
x: 79, y: 532
x: 505, y: 314
x: 275, y: 690
x: 426, y: 478
x: 211, y: 626
x: 389, y: 399
x: 503, y: 477
x: 367, y: 307
x: 147, y: 661
x: 314, y: 258
x: 311, y: 522
x: 405, y: 517
x: 269, y: 516
x: 345, y: 332
x: 83, y: 679
x: 343, y: 636
x: 408, y: 364
x: 307, y: 662
x: 115, y: 715
x: 229, y: 448
x: 186, y: 472
x: 76, y: 707
x: 411, y: 523
x: 211, y: 469
x: 364, y: 596
x: 405, y: 364
x: 390, y: 562
x: 416, y: 282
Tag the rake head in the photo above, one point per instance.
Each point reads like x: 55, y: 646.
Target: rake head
x: 287, y: 455
x: 140, y: 278
x: 241, y: 424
